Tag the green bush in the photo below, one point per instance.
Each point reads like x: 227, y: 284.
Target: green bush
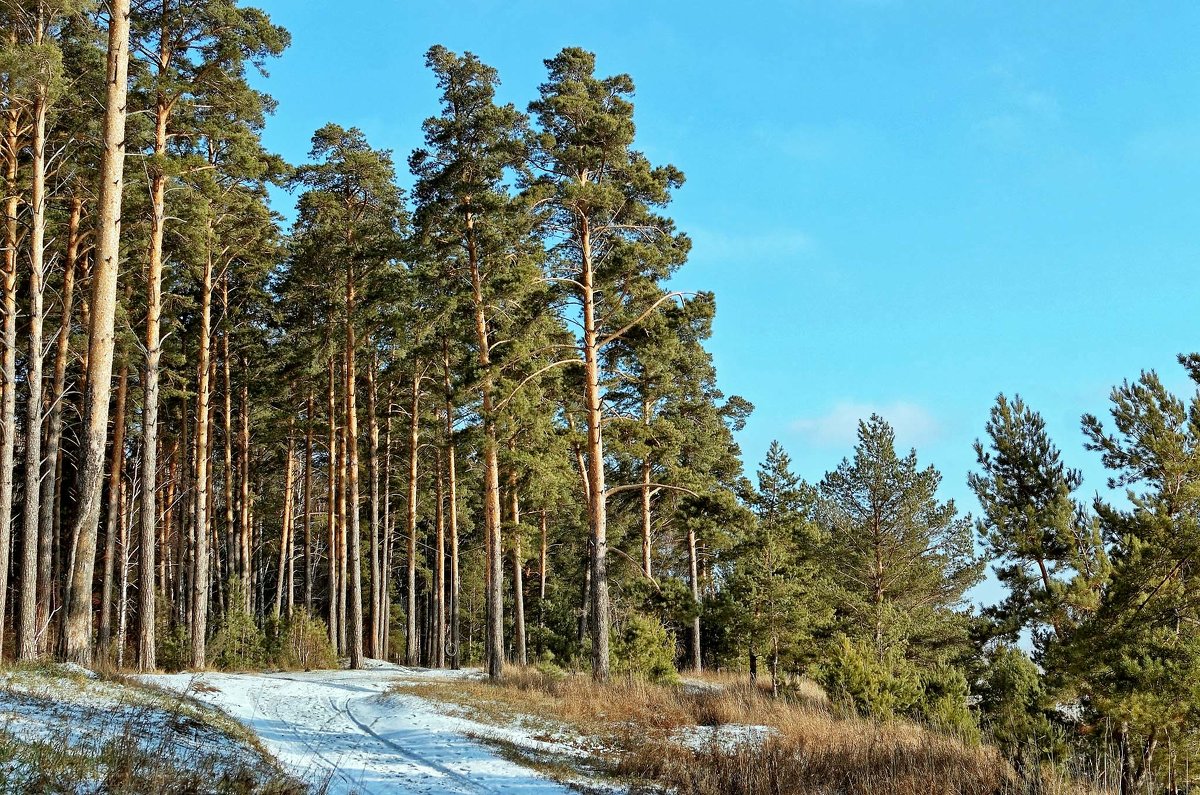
x: 305, y: 644
x: 239, y: 644
x: 894, y: 687
x: 644, y: 649
x: 857, y: 678
x: 1017, y: 711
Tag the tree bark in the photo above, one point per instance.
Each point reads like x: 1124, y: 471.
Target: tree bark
x: 332, y: 508
x: 285, y: 531
x: 149, y: 474
x: 27, y: 624
x: 491, y: 470
x: 414, y: 442
x: 355, y: 530
x: 200, y: 575
x: 8, y: 357
x: 51, y: 477
x: 520, y: 652
x: 597, y: 510
x: 78, y: 633
x: 439, y: 570
x: 452, y: 485
x: 115, y: 475
x: 373, y: 463
x: 308, y: 466
x: 694, y: 582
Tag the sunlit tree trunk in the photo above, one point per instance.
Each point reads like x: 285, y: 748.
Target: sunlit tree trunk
x: 52, y: 476
x: 115, y: 474
x: 200, y: 575
x: 373, y: 463
x: 355, y: 634
x: 78, y: 632
x: 332, y: 524
x: 8, y: 356
x: 414, y: 442
x: 27, y: 624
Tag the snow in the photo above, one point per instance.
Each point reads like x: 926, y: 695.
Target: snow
x: 347, y: 729
x: 69, y: 707
x: 727, y: 737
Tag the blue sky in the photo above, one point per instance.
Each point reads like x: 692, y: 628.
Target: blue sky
x: 903, y: 207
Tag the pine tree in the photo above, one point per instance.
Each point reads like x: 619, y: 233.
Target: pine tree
x: 609, y: 254
x: 1050, y: 553
x: 775, y: 575
x: 899, y: 559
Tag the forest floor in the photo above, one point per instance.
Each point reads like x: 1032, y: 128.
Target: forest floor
x: 349, y: 732
x: 66, y: 729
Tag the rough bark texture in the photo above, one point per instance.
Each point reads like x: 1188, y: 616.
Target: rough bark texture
x: 115, y: 472
x: 51, y: 477
x: 27, y: 624
x: 8, y: 357
x: 597, y: 512
x: 355, y: 634
x: 414, y: 441
x: 78, y: 632
x: 200, y: 575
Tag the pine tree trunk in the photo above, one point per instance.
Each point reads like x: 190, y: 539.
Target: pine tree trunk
x: 491, y: 473
x: 27, y: 624
x: 115, y: 474
x: 246, y: 553
x: 452, y: 484
x: 373, y: 464
x: 438, y: 648
x: 8, y: 357
x: 542, y: 560
x: 285, y: 532
x: 694, y: 582
x: 232, y: 539
x: 597, y: 510
x: 519, y: 651
x: 149, y: 474
x: 355, y: 530
x: 52, y: 476
x: 414, y: 442
x: 123, y: 524
x: 647, y: 567
x: 308, y: 541
x: 78, y: 632
x: 385, y: 618
x: 343, y: 563
x: 332, y: 507
x: 200, y: 573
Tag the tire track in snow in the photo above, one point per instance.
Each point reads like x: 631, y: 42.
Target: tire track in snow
x: 413, y: 755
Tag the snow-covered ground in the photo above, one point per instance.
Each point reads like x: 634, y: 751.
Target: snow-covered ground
x: 62, y: 728
x: 347, y: 729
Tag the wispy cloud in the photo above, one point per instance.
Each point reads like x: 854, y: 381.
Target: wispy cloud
x: 1167, y: 145
x: 770, y: 245
x: 815, y: 143
x: 1018, y: 108
x: 914, y: 425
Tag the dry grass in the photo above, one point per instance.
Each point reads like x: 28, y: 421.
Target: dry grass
x: 61, y: 731
x: 810, y: 750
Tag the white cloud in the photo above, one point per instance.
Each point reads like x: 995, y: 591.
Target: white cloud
x: 838, y: 427
x: 1167, y: 145
x: 767, y: 245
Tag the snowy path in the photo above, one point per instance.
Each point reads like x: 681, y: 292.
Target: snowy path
x: 341, y: 726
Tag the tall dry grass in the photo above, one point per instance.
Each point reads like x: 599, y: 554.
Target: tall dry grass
x: 808, y: 747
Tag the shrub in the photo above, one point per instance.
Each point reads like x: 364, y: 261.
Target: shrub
x: 239, y: 644
x: 857, y: 678
x: 645, y: 650
x: 306, y: 643
x: 894, y: 687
